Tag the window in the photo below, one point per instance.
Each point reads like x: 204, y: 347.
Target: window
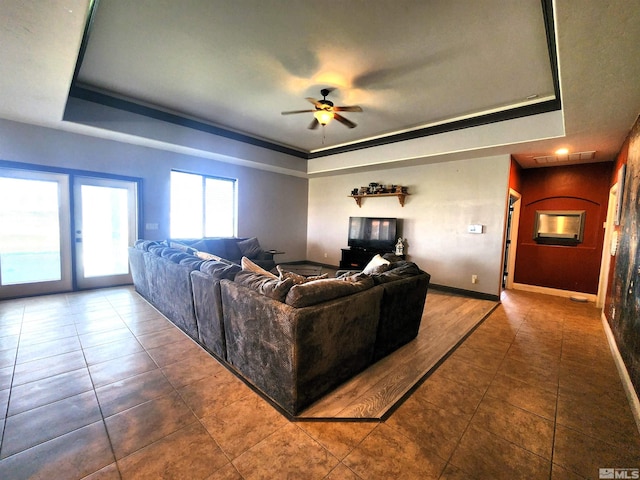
x: 202, y: 206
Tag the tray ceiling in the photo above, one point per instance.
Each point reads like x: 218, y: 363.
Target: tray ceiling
x: 413, y: 66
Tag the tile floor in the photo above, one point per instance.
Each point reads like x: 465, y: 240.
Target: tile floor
x: 99, y: 385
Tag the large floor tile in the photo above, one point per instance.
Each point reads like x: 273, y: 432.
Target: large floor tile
x: 518, y: 426
x: 187, y: 453
x: 124, y: 394
x: 482, y: 454
x: 48, y: 367
x: 41, y: 392
x: 74, y: 455
x: 143, y: 424
x: 120, y: 368
x: 438, y: 429
x: 243, y: 424
x: 210, y: 394
x: 386, y: 453
x: 112, y: 350
x: 523, y: 395
x: 340, y: 438
x: 585, y: 455
x: 287, y: 453
x: 29, y: 353
x: 44, y: 423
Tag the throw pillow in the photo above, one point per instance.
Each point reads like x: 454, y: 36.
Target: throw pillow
x: 250, y: 247
x: 207, y: 256
x: 299, y: 279
x: 318, y: 291
x: 252, y: 267
x: 182, y: 247
x: 376, y: 265
x: 270, y: 287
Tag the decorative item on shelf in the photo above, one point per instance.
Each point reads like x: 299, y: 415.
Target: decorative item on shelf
x: 399, y: 247
x: 380, y: 191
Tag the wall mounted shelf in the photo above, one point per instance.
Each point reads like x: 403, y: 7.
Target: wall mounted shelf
x: 401, y: 197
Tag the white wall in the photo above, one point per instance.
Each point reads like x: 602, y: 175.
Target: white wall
x: 271, y: 206
x: 445, y: 198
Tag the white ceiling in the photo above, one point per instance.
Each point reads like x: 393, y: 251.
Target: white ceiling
x: 238, y: 63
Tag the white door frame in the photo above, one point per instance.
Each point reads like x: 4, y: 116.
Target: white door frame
x: 605, y: 263
x: 513, y: 236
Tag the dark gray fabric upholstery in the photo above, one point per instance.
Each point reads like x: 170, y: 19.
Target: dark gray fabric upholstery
x: 296, y: 355
x: 138, y: 271
x: 208, y: 306
x: 170, y: 291
x: 400, y: 312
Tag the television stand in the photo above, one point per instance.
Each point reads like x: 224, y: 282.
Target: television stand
x: 357, y: 258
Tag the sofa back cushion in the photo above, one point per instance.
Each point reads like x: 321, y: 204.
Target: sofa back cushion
x: 250, y: 247
x: 268, y: 285
x: 318, y: 291
x: 220, y: 269
x: 396, y: 271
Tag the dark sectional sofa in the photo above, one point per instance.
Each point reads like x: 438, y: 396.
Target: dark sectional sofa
x: 294, y: 340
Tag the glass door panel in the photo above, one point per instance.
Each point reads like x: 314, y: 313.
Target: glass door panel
x: 106, y: 220
x: 35, y: 252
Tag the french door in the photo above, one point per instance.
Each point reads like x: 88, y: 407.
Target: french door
x: 35, y: 233
x: 59, y: 232
x: 104, y: 227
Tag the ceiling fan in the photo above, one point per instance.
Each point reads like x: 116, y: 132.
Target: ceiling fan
x: 325, y: 111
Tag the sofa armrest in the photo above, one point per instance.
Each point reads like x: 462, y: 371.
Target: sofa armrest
x: 208, y: 306
x: 296, y: 355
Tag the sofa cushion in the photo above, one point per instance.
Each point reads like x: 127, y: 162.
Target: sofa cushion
x: 270, y: 286
x: 192, y: 262
x: 318, y: 291
x: 249, y: 266
x: 298, y: 279
x: 217, y: 246
x: 220, y: 269
x: 232, y: 251
x: 396, y: 271
x: 250, y: 247
x: 376, y: 265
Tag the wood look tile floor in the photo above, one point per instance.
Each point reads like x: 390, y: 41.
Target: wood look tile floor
x: 99, y: 385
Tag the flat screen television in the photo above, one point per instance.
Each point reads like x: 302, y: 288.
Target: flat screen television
x: 371, y: 233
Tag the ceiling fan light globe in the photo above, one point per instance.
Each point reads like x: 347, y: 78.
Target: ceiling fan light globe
x: 323, y: 116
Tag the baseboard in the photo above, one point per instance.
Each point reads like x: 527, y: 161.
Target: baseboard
x: 466, y: 293
x: 554, y: 291
x: 632, y: 395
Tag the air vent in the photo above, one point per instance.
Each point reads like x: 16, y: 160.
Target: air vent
x: 570, y: 157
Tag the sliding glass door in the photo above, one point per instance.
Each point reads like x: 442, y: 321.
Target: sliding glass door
x: 35, y: 240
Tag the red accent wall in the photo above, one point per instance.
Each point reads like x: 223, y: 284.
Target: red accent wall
x: 515, y: 174
x: 580, y: 187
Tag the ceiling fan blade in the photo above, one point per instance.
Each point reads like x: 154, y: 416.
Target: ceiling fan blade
x: 344, y: 121
x: 314, y: 124
x: 314, y: 101
x: 353, y: 108
x: 296, y: 111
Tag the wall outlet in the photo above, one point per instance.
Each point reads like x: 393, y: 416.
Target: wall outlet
x: 325, y: 255
x: 474, y: 278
